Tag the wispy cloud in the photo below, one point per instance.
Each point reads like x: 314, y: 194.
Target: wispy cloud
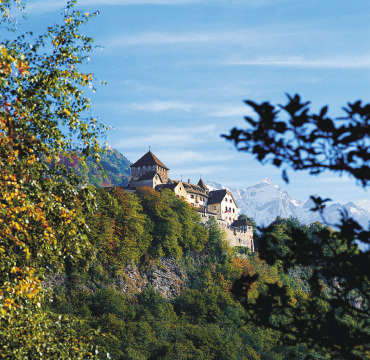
x: 221, y: 111
x: 164, y: 136
x: 42, y: 6
x: 160, y: 106
x: 164, y: 38
x: 339, y: 61
x: 197, y: 171
x: 199, y: 109
x: 197, y: 156
x: 244, y: 37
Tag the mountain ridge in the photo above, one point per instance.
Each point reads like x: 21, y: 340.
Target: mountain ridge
x: 265, y: 200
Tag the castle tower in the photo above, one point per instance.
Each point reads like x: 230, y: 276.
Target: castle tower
x: 149, y: 163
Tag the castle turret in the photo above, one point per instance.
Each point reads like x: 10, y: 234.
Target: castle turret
x: 148, y: 163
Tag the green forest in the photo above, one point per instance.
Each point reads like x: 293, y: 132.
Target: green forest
x: 204, y: 321
x: 89, y: 271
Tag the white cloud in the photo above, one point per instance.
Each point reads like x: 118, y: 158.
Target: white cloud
x: 164, y: 39
x: 42, y: 6
x: 230, y: 111
x: 197, y: 171
x: 159, y: 106
x: 164, y: 136
x: 339, y: 61
x: 50, y: 5
x: 198, y: 156
x: 209, y: 110
x: 242, y: 37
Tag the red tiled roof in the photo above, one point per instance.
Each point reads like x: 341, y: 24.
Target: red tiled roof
x: 149, y: 159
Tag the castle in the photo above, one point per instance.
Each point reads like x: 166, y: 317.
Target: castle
x: 219, y: 204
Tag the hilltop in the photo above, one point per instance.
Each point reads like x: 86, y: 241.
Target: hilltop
x: 115, y: 165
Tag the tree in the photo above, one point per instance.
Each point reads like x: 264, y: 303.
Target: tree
x: 41, y: 90
x: 336, y: 315
x: 308, y: 141
x: 118, y: 229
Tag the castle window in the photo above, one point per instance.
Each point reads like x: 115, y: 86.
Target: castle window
x: 231, y: 200
x: 192, y: 196
x: 214, y: 208
x: 233, y: 210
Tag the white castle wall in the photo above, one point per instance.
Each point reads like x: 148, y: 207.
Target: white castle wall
x: 240, y: 238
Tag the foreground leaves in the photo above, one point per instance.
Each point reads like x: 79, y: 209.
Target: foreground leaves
x: 43, y: 114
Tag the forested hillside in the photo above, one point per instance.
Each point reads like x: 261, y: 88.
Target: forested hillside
x: 157, y: 284
x: 114, y: 169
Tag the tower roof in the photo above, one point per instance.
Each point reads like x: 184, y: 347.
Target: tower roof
x: 149, y: 159
x: 202, y: 184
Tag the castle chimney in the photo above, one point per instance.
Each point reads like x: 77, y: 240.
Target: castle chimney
x: 188, y: 181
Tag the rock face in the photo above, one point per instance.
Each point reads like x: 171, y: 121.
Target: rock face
x: 265, y: 201
x: 167, y: 277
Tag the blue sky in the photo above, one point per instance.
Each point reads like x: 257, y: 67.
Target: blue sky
x: 179, y: 70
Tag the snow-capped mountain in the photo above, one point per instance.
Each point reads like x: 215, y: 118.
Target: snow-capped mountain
x: 264, y: 201
x: 364, y: 204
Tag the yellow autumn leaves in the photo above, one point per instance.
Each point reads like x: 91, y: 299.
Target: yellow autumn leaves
x: 7, y: 61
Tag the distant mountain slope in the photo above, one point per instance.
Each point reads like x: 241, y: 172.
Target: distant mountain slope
x: 364, y: 204
x: 264, y: 201
x: 115, y: 165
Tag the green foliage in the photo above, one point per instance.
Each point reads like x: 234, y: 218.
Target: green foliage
x: 113, y: 169
x: 321, y: 300
x: 335, y: 317
x: 166, y: 231
x: 42, y: 93
x: 208, y: 305
x: 303, y: 140
x: 118, y: 229
x: 193, y: 236
x: 217, y: 243
x: 205, y: 321
x: 174, y: 226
